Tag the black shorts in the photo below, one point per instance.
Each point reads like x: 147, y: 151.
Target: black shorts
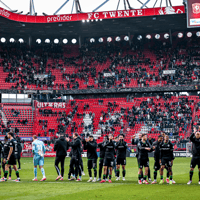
x: 195, y: 161
x: 143, y: 163
x: 157, y: 165
x: 80, y: 161
x: 12, y: 160
x: 92, y: 163
x: 121, y: 161
x: 166, y: 161
x: 109, y: 162
x: 101, y: 162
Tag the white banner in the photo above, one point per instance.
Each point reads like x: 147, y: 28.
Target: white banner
x: 46, y: 91
x: 109, y: 74
x: 40, y: 76
x: 182, y: 154
x: 168, y: 72
x: 50, y: 104
x: 30, y: 91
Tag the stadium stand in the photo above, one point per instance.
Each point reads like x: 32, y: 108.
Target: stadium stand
x: 100, y: 66
x: 19, y: 119
x: 153, y: 115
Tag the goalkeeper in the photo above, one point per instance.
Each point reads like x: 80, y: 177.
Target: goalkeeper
x: 38, y: 150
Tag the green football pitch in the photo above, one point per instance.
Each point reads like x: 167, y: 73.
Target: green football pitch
x: 129, y: 189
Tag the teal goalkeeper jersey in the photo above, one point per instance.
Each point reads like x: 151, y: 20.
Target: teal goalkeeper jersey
x: 38, y: 148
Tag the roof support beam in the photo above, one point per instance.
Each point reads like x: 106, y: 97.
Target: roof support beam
x: 33, y: 7
x: 166, y: 3
x: 129, y: 6
x: 30, y: 8
x: 141, y: 3
x: 100, y: 5
x: 61, y: 7
x: 72, y: 7
x: 118, y: 4
x: 161, y: 3
x: 5, y: 5
x: 78, y: 6
x: 145, y: 3
x: 155, y: 4
x: 124, y: 5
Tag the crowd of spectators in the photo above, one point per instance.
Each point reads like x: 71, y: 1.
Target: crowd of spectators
x: 158, y: 114
x: 104, y: 66
x: 172, y: 117
x: 63, y: 120
x: 24, y: 121
x: 167, y: 113
x: 12, y: 125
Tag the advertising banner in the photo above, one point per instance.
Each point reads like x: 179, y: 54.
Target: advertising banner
x: 28, y: 139
x: 51, y: 153
x: 193, y: 13
x: 50, y: 104
x: 93, y: 15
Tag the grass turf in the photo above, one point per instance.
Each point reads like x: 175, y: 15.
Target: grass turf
x: 129, y: 189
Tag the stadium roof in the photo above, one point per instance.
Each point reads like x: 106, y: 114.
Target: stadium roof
x: 67, y: 6
x: 157, y: 20
x: 108, y: 27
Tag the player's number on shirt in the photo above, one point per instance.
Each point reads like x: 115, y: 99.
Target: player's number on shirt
x: 39, y: 147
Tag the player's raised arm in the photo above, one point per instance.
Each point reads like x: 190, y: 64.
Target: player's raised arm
x: 105, y: 144
x: 93, y: 145
x: 75, y: 144
x: 125, y: 144
x: 150, y: 146
x: 117, y: 144
x: 192, y: 137
x: 140, y: 146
